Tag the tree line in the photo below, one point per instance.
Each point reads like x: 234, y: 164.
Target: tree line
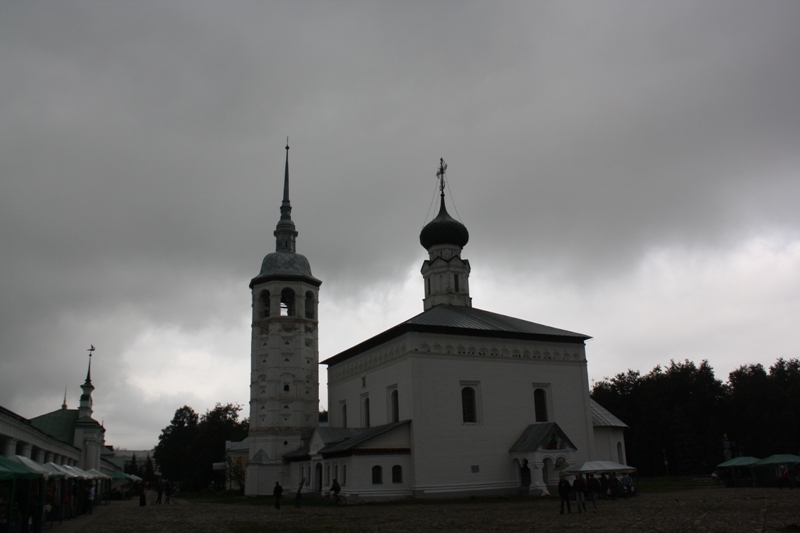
x: 144, y: 468
x: 681, y: 418
x: 191, y: 443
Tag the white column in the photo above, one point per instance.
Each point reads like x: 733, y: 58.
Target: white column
x: 538, y: 487
x: 25, y: 450
x: 9, y: 447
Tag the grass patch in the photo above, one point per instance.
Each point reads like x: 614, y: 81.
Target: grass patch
x: 672, y: 483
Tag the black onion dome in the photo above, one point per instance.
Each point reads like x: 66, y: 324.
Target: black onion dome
x: 443, y: 229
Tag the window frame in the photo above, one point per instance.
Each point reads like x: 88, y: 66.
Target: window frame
x: 478, y: 415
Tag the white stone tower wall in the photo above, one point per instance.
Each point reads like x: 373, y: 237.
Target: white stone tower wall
x: 284, y: 354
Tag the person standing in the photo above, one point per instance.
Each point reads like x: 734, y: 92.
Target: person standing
x: 593, y: 487
x: 277, y: 491
x: 579, y: 488
x: 298, y: 497
x: 627, y: 485
x: 90, y: 497
x: 564, y: 489
x: 167, y: 492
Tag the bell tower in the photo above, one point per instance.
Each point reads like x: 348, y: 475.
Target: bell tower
x: 284, y: 356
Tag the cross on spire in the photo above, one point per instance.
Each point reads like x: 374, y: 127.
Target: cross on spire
x: 440, y: 175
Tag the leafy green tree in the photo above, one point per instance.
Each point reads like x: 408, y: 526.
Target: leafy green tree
x: 216, y: 426
x: 131, y: 467
x: 673, y: 415
x: 190, y: 445
x: 765, y: 408
x: 175, y: 445
x: 149, y: 474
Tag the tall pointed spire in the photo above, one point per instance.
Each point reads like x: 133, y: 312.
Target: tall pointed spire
x: 64, y: 405
x: 85, y: 406
x: 285, y: 232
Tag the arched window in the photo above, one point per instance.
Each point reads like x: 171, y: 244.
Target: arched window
x: 263, y: 304
x: 620, y: 456
x: 287, y: 302
x: 540, y: 405
x: 366, y: 412
x: 286, y: 387
x: 468, y: 406
x: 377, y: 475
x: 344, y: 415
x: 397, y: 474
x: 455, y: 277
x: 395, y: 407
x: 310, y: 305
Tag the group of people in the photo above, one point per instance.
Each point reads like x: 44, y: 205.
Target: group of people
x: 592, y: 488
x: 277, y: 493
x: 162, y: 488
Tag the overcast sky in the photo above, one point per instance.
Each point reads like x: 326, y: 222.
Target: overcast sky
x: 626, y: 170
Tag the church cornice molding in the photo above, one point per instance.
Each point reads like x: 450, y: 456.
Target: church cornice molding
x: 458, y: 346
x: 406, y: 328
x: 287, y: 278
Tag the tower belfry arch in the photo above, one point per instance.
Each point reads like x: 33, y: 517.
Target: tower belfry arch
x: 284, y: 355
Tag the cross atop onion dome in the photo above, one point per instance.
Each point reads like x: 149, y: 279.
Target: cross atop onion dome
x: 443, y: 229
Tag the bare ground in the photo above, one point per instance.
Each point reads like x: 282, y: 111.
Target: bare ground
x: 714, y: 509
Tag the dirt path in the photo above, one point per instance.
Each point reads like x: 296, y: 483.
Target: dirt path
x: 707, y: 510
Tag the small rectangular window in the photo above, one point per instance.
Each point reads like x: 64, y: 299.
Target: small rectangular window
x: 475, y: 469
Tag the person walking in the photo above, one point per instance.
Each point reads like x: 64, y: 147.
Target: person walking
x: 564, y: 490
x: 277, y: 491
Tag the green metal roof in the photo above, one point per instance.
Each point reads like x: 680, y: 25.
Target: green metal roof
x: 58, y: 424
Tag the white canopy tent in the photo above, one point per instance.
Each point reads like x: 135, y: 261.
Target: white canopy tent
x: 597, y: 467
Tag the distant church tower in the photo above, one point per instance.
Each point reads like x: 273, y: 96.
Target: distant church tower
x: 445, y: 274
x: 284, y: 356
x: 89, y: 436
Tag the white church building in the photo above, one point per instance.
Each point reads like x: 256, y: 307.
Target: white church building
x: 455, y: 401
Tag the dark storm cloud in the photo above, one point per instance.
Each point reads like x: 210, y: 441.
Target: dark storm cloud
x: 141, y: 155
